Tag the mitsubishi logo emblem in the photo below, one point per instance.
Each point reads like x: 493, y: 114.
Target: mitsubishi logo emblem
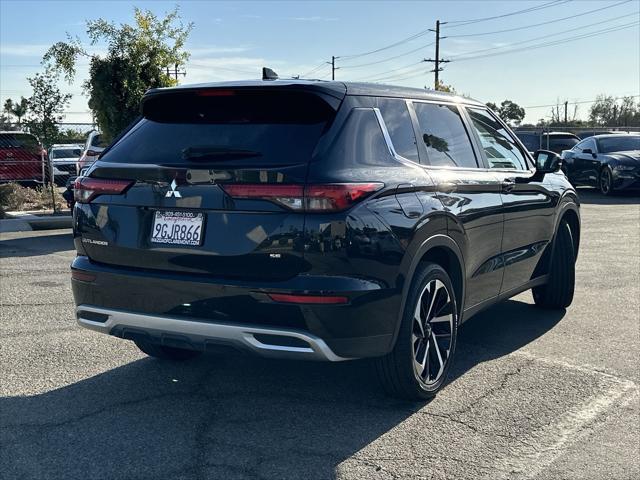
x: 173, y: 192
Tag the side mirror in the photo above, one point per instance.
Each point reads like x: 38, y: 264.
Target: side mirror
x: 547, y: 161
x: 588, y: 151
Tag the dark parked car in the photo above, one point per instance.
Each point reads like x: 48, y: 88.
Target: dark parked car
x: 554, y: 141
x: 23, y: 159
x: 608, y: 162
x: 317, y: 220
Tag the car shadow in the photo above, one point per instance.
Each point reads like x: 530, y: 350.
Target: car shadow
x: 34, y: 245
x: 591, y: 196
x: 232, y: 416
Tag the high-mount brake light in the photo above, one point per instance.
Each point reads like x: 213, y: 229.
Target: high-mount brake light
x: 215, y: 93
x: 319, y: 198
x: 85, y: 189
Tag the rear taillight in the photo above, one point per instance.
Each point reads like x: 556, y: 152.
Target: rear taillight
x: 86, y: 189
x: 332, y: 197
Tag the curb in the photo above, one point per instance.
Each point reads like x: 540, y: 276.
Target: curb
x: 25, y: 222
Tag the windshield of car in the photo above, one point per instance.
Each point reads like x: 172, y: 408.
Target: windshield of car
x: 17, y: 140
x: 558, y: 143
x: 619, y: 144
x: 99, y: 141
x: 66, y: 153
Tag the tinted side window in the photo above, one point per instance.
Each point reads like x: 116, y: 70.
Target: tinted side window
x: 445, y: 136
x: 396, y: 118
x: 589, y: 143
x: 498, y: 145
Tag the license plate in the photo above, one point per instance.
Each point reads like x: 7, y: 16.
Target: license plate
x: 177, y: 228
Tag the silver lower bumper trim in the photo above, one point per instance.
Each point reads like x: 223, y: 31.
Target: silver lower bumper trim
x: 202, y: 331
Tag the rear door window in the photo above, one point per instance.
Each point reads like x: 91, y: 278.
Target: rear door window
x: 499, y: 146
x: 226, y: 126
x: 445, y: 136
x: 400, y: 127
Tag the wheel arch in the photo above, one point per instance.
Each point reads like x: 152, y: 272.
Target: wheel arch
x: 570, y: 212
x: 444, y: 251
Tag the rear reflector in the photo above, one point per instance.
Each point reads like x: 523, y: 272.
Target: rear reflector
x: 86, y: 189
x: 311, y: 198
x: 314, y: 299
x: 82, y: 276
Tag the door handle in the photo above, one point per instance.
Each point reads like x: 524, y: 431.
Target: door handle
x: 508, y: 184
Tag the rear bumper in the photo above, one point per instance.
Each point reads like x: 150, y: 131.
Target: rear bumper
x: 198, y: 335
x: 201, y: 308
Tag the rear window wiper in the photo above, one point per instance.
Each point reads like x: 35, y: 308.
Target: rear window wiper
x: 216, y: 153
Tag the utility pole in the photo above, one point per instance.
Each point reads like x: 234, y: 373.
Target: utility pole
x: 566, y: 103
x: 437, y: 60
x: 175, y: 72
x: 333, y: 67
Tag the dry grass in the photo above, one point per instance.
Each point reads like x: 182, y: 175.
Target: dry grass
x: 16, y: 197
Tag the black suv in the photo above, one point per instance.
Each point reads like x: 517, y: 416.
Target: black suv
x: 317, y: 220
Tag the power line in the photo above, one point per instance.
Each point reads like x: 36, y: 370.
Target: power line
x: 579, y: 102
x: 557, y: 42
x: 538, y: 24
x: 388, y: 58
x: 404, y: 67
x: 313, y: 70
x: 371, y: 52
x: 554, y: 3
x: 538, y: 38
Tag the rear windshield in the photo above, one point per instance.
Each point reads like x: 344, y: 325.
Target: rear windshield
x: 17, y: 140
x: 66, y: 153
x: 530, y: 140
x: 558, y: 143
x: 619, y: 144
x: 99, y: 141
x: 221, y: 127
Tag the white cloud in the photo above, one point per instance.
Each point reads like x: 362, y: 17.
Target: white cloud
x: 24, y: 49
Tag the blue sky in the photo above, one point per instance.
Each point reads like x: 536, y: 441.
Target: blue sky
x: 232, y: 40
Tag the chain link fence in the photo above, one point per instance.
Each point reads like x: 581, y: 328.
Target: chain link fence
x: 34, y: 173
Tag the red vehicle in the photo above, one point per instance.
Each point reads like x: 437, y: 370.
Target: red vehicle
x: 22, y: 159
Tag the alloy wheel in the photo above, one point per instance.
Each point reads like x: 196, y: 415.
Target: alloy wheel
x: 432, y: 332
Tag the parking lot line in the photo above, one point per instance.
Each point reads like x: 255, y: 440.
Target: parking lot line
x: 542, y: 447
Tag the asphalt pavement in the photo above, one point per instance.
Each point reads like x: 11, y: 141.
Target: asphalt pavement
x: 534, y: 394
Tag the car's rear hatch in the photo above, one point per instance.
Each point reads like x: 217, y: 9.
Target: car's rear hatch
x: 174, y: 165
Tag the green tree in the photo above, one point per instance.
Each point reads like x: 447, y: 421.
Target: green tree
x: 8, y: 108
x: 492, y: 106
x: 602, y: 111
x: 443, y: 87
x: 137, y: 59
x: 17, y: 109
x: 46, y: 106
x: 511, y: 112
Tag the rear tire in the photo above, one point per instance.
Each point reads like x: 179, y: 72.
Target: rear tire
x: 558, y: 291
x: 418, y: 365
x: 166, y: 353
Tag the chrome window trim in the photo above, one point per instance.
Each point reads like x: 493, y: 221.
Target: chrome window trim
x: 389, y: 142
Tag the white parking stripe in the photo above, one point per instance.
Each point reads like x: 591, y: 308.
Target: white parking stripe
x: 540, y: 448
